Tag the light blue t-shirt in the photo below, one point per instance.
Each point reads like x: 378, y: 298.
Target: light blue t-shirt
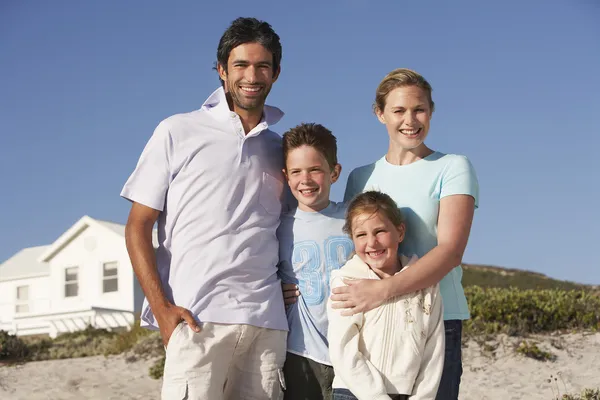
x: 311, y: 245
x: 417, y: 189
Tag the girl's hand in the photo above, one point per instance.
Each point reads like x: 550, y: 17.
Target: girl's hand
x: 360, y: 295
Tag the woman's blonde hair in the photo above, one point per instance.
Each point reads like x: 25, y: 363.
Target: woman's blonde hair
x: 399, y: 78
x: 372, y: 202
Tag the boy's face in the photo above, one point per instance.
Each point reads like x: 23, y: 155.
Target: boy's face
x: 310, y: 177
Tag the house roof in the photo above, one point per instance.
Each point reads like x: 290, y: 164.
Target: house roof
x: 24, y: 264
x: 78, y: 228
x: 33, y: 261
x: 120, y: 229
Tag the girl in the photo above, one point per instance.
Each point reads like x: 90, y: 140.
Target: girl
x: 397, y: 349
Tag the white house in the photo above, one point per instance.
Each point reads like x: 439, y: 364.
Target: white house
x: 83, y: 278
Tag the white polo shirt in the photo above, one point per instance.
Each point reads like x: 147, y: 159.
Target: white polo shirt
x: 219, y: 192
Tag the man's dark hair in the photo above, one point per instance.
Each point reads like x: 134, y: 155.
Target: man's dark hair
x: 249, y: 30
x: 313, y: 135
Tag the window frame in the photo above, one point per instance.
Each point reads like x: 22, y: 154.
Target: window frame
x: 71, y: 282
x: 21, y: 303
x: 110, y: 278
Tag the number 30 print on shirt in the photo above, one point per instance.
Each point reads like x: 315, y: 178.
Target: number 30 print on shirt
x: 313, y: 265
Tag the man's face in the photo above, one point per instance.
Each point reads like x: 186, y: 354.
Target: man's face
x: 249, y: 76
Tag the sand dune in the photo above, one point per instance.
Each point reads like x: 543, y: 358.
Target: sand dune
x: 503, y: 376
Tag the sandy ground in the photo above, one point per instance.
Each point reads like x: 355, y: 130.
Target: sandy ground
x: 491, y: 371
x: 507, y: 376
x: 106, y: 378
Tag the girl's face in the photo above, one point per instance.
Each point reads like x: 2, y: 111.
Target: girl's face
x: 376, y: 241
x: 406, y: 115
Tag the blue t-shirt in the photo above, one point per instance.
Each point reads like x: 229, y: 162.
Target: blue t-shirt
x: 417, y: 188
x: 311, y: 245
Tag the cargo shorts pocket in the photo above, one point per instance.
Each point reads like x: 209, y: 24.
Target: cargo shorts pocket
x: 271, y: 190
x: 174, y: 334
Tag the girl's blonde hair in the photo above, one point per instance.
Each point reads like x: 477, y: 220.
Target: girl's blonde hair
x: 372, y: 202
x: 399, y: 78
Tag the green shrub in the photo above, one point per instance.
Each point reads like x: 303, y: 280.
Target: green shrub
x: 586, y: 394
x: 156, y: 370
x: 488, y: 276
x: 89, y: 342
x: 127, y: 340
x: 139, y: 342
x: 149, y: 346
x: 12, y: 348
x: 520, y: 312
x: 531, y: 350
x: 85, y: 343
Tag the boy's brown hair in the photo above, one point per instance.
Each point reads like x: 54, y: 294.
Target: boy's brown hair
x: 313, y: 135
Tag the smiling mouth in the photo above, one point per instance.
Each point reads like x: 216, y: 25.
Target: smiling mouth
x: 250, y: 90
x: 308, y: 191
x: 376, y: 253
x: 411, y: 132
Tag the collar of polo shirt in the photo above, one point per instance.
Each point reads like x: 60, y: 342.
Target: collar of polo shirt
x: 217, y: 104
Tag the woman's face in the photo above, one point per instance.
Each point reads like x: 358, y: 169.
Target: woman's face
x: 406, y: 115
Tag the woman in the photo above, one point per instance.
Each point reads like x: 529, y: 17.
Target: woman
x: 438, y: 194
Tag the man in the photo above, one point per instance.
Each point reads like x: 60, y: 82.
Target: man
x: 212, y: 178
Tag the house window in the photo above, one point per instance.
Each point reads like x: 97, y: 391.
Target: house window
x: 22, y: 303
x: 71, y: 282
x: 110, y: 280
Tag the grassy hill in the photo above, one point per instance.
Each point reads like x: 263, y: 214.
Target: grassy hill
x: 487, y: 276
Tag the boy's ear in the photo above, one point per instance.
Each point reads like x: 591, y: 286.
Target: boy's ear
x: 285, y: 174
x: 335, y: 172
x: 401, y: 231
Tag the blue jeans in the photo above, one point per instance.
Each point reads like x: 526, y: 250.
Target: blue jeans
x: 452, y: 372
x: 345, y: 394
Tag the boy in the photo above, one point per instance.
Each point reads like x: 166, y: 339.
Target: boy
x: 311, y: 245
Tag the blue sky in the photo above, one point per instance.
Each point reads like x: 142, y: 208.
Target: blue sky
x: 516, y: 86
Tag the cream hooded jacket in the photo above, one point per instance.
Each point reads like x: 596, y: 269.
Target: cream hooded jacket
x: 397, y: 348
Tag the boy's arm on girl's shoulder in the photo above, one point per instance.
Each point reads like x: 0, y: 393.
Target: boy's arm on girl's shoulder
x: 350, y: 365
x: 432, y: 362
x: 290, y: 293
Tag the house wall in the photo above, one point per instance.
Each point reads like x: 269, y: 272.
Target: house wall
x: 39, y: 299
x: 89, y: 251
